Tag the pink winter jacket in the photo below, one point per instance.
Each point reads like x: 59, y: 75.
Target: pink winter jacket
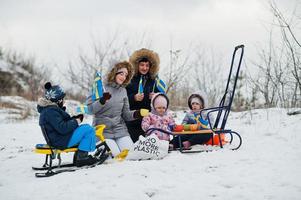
x: 156, y: 121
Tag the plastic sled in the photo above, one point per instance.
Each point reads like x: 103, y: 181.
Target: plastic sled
x: 51, y: 153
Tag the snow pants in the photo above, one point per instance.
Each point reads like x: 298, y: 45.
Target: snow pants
x: 193, y: 139
x: 84, y: 136
x: 119, y: 144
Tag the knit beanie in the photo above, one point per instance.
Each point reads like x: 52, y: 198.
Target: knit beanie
x: 53, y: 93
x: 196, y: 100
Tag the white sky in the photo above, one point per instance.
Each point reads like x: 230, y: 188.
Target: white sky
x: 53, y: 30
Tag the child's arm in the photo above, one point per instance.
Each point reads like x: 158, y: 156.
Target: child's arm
x: 171, y: 120
x: 95, y: 107
x: 171, y: 123
x: 203, y: 120
x: 185, y: 120
x: 188, y: 119
x: 61, y: 125
x: 146, y: 123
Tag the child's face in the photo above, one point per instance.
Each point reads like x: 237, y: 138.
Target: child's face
x: 160, y: 110
x: 196, y: 106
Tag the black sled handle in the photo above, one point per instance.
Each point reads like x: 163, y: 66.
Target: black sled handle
x: 239, y: 46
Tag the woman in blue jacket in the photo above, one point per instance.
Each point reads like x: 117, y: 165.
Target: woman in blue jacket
x: 63, y: 130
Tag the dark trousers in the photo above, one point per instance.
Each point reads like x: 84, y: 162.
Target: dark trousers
x: 135, y: 132
x: 193, y: 139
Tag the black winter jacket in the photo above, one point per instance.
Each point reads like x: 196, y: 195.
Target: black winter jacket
x: 132, y: 90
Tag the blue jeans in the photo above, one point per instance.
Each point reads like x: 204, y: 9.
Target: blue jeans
x: 84, y: 136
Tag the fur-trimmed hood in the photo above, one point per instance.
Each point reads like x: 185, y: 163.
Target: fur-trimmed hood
x: 152, y: 56
x: 43, y: 102
x: 112, y: 73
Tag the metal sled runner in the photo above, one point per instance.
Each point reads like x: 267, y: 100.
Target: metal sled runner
x: 218, y: 129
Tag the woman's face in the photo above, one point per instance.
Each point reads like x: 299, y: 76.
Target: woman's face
x: 121, y: 76
x: 143, y: 67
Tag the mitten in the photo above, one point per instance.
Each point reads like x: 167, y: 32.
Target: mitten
x: 80, y: 117
x: 106, y: 96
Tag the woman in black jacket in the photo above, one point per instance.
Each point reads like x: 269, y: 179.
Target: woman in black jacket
x: 146, y: 66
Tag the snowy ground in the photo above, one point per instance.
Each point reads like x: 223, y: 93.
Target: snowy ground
x: 265, y: 167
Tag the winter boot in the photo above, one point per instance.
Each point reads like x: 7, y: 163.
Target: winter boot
x: 82, y: 159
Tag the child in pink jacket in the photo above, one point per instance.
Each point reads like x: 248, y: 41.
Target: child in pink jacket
x: 159, y: 117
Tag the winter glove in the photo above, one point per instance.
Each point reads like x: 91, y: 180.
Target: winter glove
x: 106, y: 96
x: 80, y: 117
x: 138, y: 114
x: 64, y: 108
x: 144, y: 112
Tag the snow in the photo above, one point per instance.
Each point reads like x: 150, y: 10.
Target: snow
x: 265, y: 167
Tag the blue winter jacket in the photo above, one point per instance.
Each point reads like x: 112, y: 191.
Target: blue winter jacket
x: 58, y: 124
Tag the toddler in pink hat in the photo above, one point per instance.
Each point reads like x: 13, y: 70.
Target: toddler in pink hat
x: 159, y: 117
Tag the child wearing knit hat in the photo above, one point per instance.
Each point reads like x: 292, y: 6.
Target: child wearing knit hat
x: 196, y: 103
x: 159, y: 116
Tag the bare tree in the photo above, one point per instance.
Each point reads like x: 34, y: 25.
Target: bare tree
x: 24, y: 77
x: 293, y: 52
x: 278, y: 78
x: 82, y: 73
x: 104, y: 55
x: 209, y: 76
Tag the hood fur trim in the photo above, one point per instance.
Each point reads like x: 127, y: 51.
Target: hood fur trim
x: 152, y: 56
x: 112, y: 74
x: 43, y: 102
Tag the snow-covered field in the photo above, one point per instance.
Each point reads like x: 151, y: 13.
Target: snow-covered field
x: 267, y: 166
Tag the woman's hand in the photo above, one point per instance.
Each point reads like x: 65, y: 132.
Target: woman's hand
x: 139, y: 97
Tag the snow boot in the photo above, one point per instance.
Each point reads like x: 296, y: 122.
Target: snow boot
x: 82, y: 158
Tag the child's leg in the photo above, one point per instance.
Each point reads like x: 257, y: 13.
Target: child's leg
x: 124, y: 142
x: 84, y: 135
x: 199, y: 139
x: 113, y: 146
x: 175, y: 140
